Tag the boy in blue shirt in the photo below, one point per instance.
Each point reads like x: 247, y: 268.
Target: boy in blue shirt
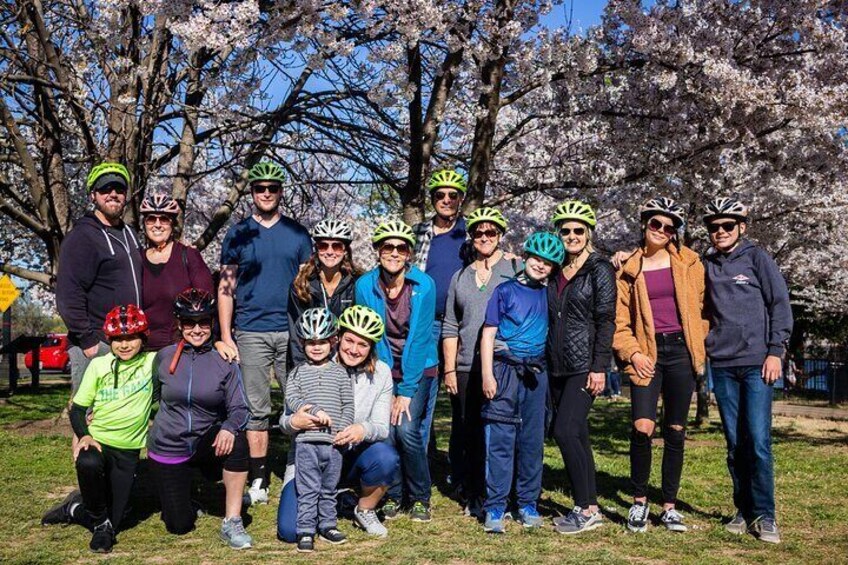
x: 515, y: 383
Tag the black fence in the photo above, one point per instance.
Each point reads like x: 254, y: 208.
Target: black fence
x: 818, y: 379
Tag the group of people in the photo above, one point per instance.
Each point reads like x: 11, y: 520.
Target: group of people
x: 522, y: 344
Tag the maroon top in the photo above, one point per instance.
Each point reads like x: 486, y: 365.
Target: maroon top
x: 561, y: 282
x: 398, y: 312
x: 163, y: 282
x: 661, y: 294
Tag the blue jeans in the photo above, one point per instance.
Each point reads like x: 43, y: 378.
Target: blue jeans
x: 507, y: 442
x: 368, y: 465
x: 433, y: 383
x: 412, y: 481
x: 744, y: 402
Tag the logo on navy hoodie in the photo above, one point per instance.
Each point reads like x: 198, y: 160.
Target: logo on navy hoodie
x: 742, y: 279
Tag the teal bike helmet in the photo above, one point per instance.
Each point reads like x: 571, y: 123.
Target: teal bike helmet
x: 317, y: 323
x: 545, y: 245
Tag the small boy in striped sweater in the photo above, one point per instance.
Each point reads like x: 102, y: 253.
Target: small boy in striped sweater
x: 326, y: 387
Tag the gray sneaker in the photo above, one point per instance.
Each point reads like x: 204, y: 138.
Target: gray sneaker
x: 574, y: 523
x: 673, y: 520
x: 368, y: 521
x: 233, y: 534
x: 765, y: 529
x: 738, y: 525
x: 596, y: 520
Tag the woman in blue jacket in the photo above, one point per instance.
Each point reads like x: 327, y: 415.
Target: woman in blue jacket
x: 405, y: 298
x: 200, y: 423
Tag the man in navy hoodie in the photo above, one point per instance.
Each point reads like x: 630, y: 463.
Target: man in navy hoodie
x: 99, y: 267
x: 750, y: 322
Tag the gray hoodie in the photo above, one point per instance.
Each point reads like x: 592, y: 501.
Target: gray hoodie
x: 748, y: 306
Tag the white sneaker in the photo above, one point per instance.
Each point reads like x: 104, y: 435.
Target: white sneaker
x: 368, y: 521
x: 258, y: 495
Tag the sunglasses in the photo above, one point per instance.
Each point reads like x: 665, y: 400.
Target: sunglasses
x: 480, y: 234
x: 105, y: 190
x: 190, y: 324
x: 262, y: 188
x: 667, y: 229
x: 388, y: 249
x: 442, y: 194
x: 336, y: 246
x: 568, y: 231
x: 151, y: 220
x: 726, y: 226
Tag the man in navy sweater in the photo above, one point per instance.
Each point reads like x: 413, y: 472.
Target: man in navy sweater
x: 750, y: 322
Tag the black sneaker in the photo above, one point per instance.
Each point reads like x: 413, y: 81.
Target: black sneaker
x: 672, y: 520
x: 305, y: 543
x: 61, y: 513
x: 332, y: 535
x: 103, y: 538
x: 420, y: 512
x: 391, y: 509
x: 637, y: 518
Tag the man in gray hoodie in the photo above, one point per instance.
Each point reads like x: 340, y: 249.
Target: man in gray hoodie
x: 750, y: 322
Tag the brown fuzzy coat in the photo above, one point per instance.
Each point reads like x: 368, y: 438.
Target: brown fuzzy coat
x: 634, y: 321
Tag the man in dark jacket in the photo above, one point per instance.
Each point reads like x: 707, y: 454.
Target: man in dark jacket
x: 750, y: 322
x: 99, y: 267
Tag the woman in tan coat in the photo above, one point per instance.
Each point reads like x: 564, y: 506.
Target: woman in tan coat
x: 659, y: 339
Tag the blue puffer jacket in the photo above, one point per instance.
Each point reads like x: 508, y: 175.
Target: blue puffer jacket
x: 419, y: 353
x: 204, y: 391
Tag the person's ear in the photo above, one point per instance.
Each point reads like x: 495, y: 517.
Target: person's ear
x: 743, y: 227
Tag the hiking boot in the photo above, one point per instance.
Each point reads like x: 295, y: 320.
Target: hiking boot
x: 529, y: 517
x: 103, y: 538
x: 637, y: 518
x: 391, y: 510
x: 234, y: 535
x: 305, y: 543
x: 672, y: 520
x: 494, y: 523
x: 61, y: 513
x: 596, y: 519
x: 368, y: 521
x: 737, y: 525
x: 575, y: 522
x: 332, y: 535
x: 765, y: 529
x: 420, y: 512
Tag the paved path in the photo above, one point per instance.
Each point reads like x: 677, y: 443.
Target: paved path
x: 824, y: 413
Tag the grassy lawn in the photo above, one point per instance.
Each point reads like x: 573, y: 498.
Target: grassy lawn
x: 812, y: 497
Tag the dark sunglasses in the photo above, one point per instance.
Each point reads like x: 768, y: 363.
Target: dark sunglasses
x: 104, y: 190
x: 667, y: 229
x: 388, y: 249
x: 336, y: 246
x: 442, y: 194
x: 152, y: 219
x: 262, y: 188
x: 190, y: 324
x: 491, y: 234
x: 726, y: 226
x: 568, y: 231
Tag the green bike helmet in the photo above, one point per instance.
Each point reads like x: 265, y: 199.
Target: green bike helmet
x: 266, y: 171
x: 574, y: 210
x: 547, y: 246
x: 393, y: 228
x: 480, y: 215
x: 363, y: 321
x: 106, y: 173
x: 316, y: 323
x: 447, y: 178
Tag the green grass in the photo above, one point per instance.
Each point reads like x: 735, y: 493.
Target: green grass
x: 812, y: 492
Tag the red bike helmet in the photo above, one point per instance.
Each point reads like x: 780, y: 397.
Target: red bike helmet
x: 128, y: 319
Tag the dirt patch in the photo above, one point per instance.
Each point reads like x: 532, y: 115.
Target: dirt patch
x: 49, y: 427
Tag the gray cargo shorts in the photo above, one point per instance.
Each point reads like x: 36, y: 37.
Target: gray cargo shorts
x: 263, y: 355
x: 79, y: 363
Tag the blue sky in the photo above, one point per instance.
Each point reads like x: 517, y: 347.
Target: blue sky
x: 583, y: 14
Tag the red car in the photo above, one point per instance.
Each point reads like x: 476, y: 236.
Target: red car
x: 54, y: 354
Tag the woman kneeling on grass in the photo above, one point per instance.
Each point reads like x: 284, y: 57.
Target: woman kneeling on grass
x: 200, y: 423
x: 118, y: 389
x: 368, y: 461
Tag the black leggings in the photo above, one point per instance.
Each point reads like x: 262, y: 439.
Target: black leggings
x: 675, y: 380
x: 105, y: 480
x: 571, y: 403
x: 173, y: 482
x: 466, y: 440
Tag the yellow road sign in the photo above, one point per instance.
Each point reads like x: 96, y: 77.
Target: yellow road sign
x: 8, y: 292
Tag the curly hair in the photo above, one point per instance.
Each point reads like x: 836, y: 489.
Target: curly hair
x: 309, y: 271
